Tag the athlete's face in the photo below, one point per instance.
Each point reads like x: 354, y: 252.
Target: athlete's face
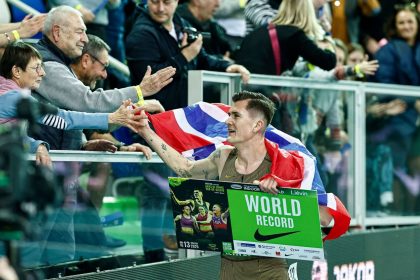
x: 198, y: 194
x: 187, y: 209
x: 241, y: 123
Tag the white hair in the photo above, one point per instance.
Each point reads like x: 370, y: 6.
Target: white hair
x: 59, y: 15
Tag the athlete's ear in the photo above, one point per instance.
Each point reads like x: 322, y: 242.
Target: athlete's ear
x: 258, y: 126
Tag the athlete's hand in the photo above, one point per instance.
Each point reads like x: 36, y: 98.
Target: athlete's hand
x: 268, y: 185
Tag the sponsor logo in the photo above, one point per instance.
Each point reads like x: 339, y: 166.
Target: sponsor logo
x: 303, y: 256
x: 254, y: 251
x: 242, y: 250
x: 278, y: 254
x: 288, y: 255
x: 248, y: 245
x: 283, y: 249
x: 311, y: 251
x: 267, y: 247
x: 267, y: 253
x: 294, y: 250
x: 366, y: 269
x: 236, y: 186
x: 252, y: 188
x: 260, y: 237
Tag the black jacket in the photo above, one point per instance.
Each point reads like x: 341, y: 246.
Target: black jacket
x: 217, y: 44
x: 256, y: 52
x: 149, y: 43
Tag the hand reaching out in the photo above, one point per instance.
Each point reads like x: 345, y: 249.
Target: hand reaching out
x: 151, y: 84
x: 31, y: 25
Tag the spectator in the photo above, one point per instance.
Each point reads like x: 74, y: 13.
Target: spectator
x: 156, y: 39
x: 400, y: 64
x: 94, y: 13
x: 231, y: 17
x: 294, y: 22
x: 64, y: 38
x: 261, y: 12
x: 20, y: 68
x: 199, y: 13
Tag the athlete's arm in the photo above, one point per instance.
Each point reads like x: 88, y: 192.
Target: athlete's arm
x: 202, y: 169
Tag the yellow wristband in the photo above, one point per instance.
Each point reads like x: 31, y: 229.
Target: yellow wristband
x: 358, y: 71
x: 242, y: 3
x: 140, y: 96
x: 16, y: 35
x: 78, y: 7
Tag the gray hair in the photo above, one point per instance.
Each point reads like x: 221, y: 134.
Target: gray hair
x: 59, y: 15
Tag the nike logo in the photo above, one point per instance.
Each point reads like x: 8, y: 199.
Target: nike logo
x: 259, y: 237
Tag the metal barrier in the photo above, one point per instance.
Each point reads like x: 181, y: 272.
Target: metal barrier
x: 121, y: 67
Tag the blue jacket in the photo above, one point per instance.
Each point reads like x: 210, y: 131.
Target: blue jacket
x: 149, y: 43
x: 399, y: 63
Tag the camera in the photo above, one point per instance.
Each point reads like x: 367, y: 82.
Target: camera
x: 192, y: 34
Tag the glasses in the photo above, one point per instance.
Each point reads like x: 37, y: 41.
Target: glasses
x: 164, y: 2
x: 105, y: 65
x: 38, y: 69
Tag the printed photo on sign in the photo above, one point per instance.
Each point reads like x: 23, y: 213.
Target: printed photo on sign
x: 201, y: 215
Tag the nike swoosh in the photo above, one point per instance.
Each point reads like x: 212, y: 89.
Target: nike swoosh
x: 287, y: 255
x: 259, y: 237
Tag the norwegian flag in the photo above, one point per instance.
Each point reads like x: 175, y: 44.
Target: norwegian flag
x: 196, y: 131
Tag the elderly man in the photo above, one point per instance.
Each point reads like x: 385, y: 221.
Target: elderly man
x: 158, y: 39
x: 246, y: 161
x: 63, y: 40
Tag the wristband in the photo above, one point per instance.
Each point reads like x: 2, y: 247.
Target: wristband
x: 78, y: 7
x: 16, y: 35
x: 242, y: 3
x: 140, y: 96
x: 8, y: 37
x: 358, y: 72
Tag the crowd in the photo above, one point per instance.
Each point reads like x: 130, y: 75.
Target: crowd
x: 160, y: 41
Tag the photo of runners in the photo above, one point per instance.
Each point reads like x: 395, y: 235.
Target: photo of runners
x: 201, y: 215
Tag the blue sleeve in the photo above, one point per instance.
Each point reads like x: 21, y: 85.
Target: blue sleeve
x: 63, y: 120
x: 8, y: 103
x: 387, y: 71
x: 33, y: 144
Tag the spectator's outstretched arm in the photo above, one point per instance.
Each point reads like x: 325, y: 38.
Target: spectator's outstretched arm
x: 74, y: 95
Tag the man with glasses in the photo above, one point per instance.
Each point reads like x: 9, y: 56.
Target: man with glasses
x: 63, y: 40
x: 158, y: 39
